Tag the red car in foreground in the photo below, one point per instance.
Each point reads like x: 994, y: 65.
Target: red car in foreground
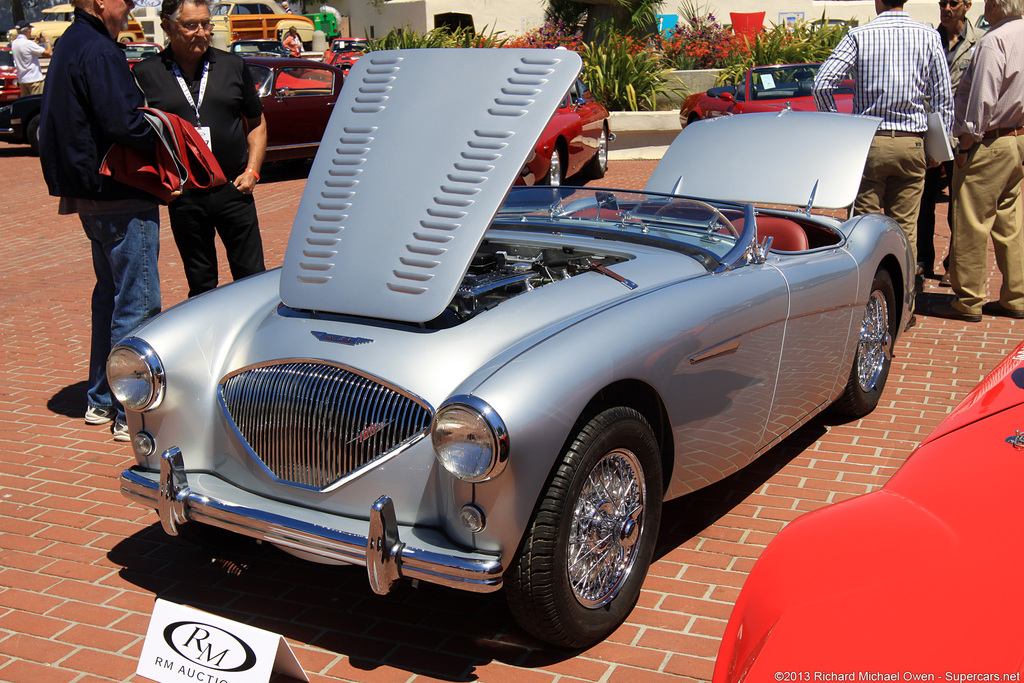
x: 920, y: 580
x: 764, y: 88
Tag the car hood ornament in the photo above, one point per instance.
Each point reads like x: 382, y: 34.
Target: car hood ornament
x: 713, y: 156
x: 411, y: 170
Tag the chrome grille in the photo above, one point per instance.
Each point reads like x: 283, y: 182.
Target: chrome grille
x: 312, y: 423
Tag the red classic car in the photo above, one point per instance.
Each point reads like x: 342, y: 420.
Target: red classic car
x: 9, y: 88
x: 575, y: 140
x: 298, y: 97
x: 343, y: 52
x: 764, y: 88
x: 919, y: 580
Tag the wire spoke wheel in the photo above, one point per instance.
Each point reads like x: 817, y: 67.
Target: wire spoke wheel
x: 606, y: 523
x: 578, y: 571
x: 873, y: 356
x: 874, y: 346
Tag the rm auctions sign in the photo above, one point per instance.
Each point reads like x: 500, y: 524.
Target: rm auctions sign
x: 184, y: 645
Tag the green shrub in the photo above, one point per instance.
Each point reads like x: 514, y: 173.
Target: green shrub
x: 402, y: 39
x: 621, y: 76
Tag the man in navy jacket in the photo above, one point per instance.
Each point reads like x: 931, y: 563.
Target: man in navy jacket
x: 90, y: 102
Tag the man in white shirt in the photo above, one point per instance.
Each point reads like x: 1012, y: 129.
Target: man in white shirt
x: 897, y: 64
x: 26, y: 54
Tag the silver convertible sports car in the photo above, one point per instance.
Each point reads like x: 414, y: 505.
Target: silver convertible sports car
x: 454, y: 381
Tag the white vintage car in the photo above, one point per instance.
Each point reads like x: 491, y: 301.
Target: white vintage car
x: 453, y: 381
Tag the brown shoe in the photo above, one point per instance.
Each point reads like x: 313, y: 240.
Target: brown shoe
x: 947, y: 311
x: 944, y: 280
x: 996, y: 308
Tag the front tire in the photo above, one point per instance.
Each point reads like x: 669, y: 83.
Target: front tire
x: 873, y: 359
x: 579, y: 570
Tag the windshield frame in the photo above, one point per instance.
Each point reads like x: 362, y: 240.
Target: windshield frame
x: 557, y: 210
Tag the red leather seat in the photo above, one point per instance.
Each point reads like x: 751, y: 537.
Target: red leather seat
x: 787, y: 235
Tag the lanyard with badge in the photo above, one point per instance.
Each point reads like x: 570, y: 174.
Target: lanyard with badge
x: 204, y: 131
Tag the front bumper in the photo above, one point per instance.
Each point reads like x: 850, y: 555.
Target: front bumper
x: 178, y: 501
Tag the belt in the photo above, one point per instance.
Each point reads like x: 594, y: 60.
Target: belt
x: 898, y: 134
x: 1000, y: 132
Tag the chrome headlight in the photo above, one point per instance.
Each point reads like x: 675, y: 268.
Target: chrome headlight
x: 469, y: 439
x: 136, y: 375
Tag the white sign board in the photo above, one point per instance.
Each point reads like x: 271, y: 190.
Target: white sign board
x: 184, y: 645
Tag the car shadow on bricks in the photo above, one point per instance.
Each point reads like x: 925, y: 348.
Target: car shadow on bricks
x: 426, y: 630
x: 686, y: 517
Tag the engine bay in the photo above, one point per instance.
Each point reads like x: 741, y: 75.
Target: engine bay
x: 502, y: 270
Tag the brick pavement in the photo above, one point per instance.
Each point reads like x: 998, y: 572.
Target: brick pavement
x: 80, y: 568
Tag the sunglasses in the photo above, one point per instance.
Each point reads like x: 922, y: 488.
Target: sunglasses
x: 952, y: 4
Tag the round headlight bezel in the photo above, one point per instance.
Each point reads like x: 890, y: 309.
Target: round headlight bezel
x: 491, y: 433
x: 150, y: 370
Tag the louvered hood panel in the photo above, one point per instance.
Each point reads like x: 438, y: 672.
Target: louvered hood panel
x: 419, y: 154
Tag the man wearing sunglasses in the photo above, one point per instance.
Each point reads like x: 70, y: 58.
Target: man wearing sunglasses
x: 987, y: 173
x: 899, y: 67
x: 958, y: 38
x: 213, y: 90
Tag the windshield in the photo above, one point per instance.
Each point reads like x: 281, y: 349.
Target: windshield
x: 680, y: 223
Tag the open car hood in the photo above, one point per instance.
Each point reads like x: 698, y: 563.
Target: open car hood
x: 420, y: 152
x: 770, y: 158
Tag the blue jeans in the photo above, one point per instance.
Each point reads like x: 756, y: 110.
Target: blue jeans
x: 125, y: 247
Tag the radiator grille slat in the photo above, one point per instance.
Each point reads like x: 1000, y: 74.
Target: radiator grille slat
x: 312, y: 423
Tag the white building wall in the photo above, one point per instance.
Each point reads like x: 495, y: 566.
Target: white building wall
x: 515, y: 17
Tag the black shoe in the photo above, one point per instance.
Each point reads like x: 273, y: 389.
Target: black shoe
x: 996, y: 308
x: 944, y: 281
x: 947, y: 311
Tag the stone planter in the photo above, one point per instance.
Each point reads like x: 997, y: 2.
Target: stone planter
x: 647, y: 134
x: 687, y: 83
x: 642, y: 134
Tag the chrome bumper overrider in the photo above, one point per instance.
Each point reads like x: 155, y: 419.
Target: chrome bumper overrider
x: 386, y: 557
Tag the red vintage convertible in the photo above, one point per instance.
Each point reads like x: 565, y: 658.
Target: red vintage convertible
x: 919, y: 580
x: 764, y: 88
x: 576, y: 139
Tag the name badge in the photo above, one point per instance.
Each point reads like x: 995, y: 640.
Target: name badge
x: 204, y: 133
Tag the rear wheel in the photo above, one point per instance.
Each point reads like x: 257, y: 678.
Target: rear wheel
x: 581, y: 564
x: 598, y: 164
x: 557, y: 167
x: 874, y: 350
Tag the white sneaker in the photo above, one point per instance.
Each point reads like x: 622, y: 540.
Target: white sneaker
x: 95, y: 415
x: 121, y: 432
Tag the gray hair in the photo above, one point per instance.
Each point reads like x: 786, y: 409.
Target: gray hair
x: 1011, y: 8
x: 171, y: 9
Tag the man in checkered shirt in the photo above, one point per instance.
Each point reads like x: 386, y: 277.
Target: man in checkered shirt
x: 900, y: 71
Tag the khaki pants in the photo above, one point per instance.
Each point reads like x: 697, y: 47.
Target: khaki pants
x: 988, y: 205
x: 893, y: 182
x: 34, y: 88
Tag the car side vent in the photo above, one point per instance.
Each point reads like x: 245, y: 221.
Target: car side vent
x: 312, y: 424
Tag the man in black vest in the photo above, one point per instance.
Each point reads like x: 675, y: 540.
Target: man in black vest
x: 214, y: 91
